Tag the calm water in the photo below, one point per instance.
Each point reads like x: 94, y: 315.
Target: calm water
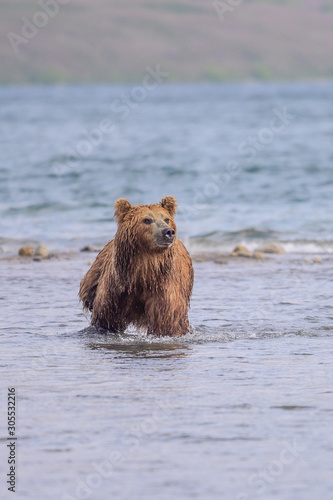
x: 241, y: 409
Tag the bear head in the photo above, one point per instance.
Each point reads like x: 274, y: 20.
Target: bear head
x: 146, y: 226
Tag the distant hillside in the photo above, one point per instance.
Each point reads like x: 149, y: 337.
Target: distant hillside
x: 114, y: 40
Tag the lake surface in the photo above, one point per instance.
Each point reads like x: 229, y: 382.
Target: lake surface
x: 245, y: 162
x: 242, y: 408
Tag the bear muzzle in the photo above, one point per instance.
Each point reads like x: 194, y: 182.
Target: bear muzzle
x: 166, y: 237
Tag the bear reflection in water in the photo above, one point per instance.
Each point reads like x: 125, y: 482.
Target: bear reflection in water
x: 160, y: 350
x: 144, y: 276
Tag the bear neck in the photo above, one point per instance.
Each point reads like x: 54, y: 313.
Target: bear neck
x: 140, y: 269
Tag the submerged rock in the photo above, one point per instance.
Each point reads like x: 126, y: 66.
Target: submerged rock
x: 41, y: 251
x: 89, y: 248
x: 206, y: 256
x: 272, y: 248
x: 247, y: 255
x: 26, y: 251
x: 316, y: 260
x: 241, y: 251
x: 221, y: 261
x: 258, y: 255
x: 240, y: 248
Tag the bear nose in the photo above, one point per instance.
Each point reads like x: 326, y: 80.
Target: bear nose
x: 168, y: 233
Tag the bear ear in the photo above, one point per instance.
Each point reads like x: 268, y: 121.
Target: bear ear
x: 169, y: 204
x: 121, y: 207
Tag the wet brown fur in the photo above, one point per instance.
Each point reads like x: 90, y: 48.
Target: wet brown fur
x: 134, y: 281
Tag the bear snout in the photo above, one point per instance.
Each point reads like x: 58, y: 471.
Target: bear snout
x: 165, y: 236
x: 168, y: 234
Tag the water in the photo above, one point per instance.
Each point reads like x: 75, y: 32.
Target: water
x: 242, y: 408
x: 58, y: 187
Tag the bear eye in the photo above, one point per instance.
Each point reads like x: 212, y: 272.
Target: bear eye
x: 147, y: 221
x: 167, y: 221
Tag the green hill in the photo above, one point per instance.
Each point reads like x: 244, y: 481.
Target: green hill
x: 113, y: 41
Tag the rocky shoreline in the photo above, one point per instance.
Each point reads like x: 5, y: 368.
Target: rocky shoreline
x: 241, y: 253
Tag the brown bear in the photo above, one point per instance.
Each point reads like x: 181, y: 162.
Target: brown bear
x: 144, y: 276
